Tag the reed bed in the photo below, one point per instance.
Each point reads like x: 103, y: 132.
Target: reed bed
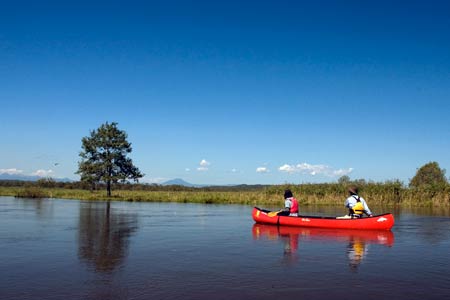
x: 379, y: 194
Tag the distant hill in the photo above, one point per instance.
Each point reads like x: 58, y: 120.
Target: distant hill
x: 5, y: 176
x: 179, y: 181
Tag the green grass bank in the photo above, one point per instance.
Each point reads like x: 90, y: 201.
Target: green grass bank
x: 380, y: 194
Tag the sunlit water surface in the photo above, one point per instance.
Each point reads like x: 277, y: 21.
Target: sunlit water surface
x: 69, y: 249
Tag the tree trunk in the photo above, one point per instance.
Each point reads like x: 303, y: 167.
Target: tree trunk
x: 108, y: 188
x: 108, y: 182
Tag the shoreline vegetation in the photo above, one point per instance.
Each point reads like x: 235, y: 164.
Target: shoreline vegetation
x: 389, y: 194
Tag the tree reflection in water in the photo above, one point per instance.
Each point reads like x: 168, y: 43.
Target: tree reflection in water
x: 104, y: 235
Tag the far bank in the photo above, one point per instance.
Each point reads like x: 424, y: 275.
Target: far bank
x: 388, y: 194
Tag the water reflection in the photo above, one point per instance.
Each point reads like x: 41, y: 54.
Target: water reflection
x: 42, y: 207
x: 356, y: 251
x: 290, y: 246
x: 104, y: 235
x: 357, y: 241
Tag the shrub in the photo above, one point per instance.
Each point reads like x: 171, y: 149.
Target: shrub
x: 32, y: 192
x: 429, y: 174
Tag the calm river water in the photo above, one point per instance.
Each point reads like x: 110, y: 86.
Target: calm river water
x: 68, y: 249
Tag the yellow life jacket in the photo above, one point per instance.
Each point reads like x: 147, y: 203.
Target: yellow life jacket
x: 358, y: 208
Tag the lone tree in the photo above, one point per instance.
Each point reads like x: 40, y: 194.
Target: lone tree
x: 345, y: 179
x: 429, y: 174
x: 104, y: 157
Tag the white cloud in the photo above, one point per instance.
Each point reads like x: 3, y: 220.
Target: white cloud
x: 187, y: 170
x: 306, y: 168
x: 43, y: 173
x: 203, y: 165
x: 342, y: 172
x: 262, y: 170
x: 287, y: 168
x: 12, y: 171
x: 233, y: 170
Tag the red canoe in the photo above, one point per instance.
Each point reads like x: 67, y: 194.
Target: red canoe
x: 380, y: 222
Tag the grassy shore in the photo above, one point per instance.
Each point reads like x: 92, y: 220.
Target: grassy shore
x: 307, y: 194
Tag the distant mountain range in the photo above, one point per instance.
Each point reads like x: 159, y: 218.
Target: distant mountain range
x: 179, y: 181
x: 176, y: 181
x: 6, y: 176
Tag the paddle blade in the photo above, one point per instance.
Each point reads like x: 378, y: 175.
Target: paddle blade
x: 272, y: 213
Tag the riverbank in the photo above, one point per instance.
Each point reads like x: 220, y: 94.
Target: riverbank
x: 267, y: 196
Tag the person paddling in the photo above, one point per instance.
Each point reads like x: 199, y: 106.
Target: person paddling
x: 290, y: 205
x: 356, y: 204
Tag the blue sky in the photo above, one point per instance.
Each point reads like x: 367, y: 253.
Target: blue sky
x: 229, y: 92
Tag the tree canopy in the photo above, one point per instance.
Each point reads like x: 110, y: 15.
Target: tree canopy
x: 429, y: 174
x: 104, y: 157
x: 345, y: 179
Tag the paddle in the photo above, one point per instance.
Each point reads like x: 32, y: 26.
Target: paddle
x: 273, y: 213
